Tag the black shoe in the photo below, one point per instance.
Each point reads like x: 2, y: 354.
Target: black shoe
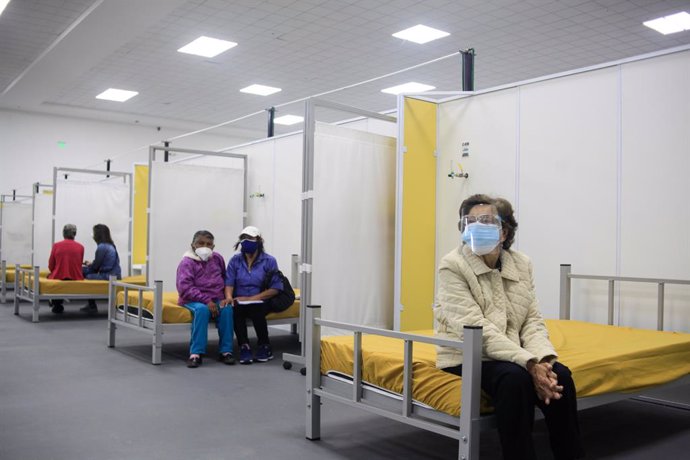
x: 263, y: 354
x: 226, y: 358
x: 194, y: 362
x: 89, y: 308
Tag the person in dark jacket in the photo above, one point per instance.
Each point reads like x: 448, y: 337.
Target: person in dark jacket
x: 106, y: 262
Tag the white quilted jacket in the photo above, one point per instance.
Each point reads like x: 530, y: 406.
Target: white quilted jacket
x: 502, y: 302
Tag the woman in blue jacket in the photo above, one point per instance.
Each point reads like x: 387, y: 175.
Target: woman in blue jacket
x: 106, y: 262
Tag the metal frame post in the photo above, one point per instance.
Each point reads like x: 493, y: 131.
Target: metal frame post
x: 313, y: 381
x: 37, y: 292
x: 112, y: 305
x: 565, y: 292
x: 17, y: 285
x: 660, y: 307
x: 471, y: 386
x: 157, y: 345
x: 3, y: 273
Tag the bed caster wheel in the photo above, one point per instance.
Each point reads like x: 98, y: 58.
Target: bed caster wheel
x: 287, y: 365
x: 303, y: 371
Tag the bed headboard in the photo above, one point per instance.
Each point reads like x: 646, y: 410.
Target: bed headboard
x: 567, y: 276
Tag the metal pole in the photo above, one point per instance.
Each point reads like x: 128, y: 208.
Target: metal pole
x: 107, y: 167
x: 166, y: 155
x: 55, y: 189
x: 152, y: 156
x: 660, y: 308
x: 471, y: 395
x: 565, y: 292
x: 467, y: 69
x: 271, y: 119
x: 313, y: 381
x: 611, y: 283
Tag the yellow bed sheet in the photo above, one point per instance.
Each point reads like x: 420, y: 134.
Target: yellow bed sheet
x: 56, y: 287
x: 10, y: 274
x: 173, y: 313
x: 603, y: 359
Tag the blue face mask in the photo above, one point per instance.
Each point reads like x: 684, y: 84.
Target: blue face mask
x: 482, y: 238
x: 249, y: 246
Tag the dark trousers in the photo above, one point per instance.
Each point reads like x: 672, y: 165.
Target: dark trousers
x: 512, y: 393
x: 257, y: 313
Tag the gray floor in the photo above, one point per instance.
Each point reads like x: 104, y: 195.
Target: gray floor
x: 65, y: 395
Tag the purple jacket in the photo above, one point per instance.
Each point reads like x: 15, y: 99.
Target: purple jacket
x: 199, y: 281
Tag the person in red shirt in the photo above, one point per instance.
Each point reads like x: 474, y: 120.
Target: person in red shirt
x: 65, y: 261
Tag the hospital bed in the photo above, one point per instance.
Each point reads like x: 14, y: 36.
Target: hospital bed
x: 394, y: 374
x: 7, y: 275
x: 32, y: 285
x: 149, y: 310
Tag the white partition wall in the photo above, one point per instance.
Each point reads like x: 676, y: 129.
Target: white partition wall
x: 274, y: 178
x: 655, y: 188
x: 15, y: 229
x: 185, y: 198
x: 42, y: 237
x: 88, y: 197
x: 595, y: 163
x: 354, y: 225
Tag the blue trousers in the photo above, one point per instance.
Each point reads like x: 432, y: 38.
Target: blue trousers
x: 201, y: 316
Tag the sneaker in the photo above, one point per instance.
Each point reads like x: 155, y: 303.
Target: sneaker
x: 194, y: 361
x: 226, y: 358
x: 263, y: 354
x: 245, y: 354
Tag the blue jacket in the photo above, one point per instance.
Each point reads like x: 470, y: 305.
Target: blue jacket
x: 250, y: 282
x: 105, y: 263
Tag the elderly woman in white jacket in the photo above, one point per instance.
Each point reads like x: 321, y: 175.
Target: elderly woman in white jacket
x: 485, y: 283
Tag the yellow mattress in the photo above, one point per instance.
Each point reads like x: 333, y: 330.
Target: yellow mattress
x: 99, y: 287
x: 603, y: 359
x: 10, y: 273
x: 173, y: 313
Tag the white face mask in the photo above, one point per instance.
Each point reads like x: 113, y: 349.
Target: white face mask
x: 203, y: 253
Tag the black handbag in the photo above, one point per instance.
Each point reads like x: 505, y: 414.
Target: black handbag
x: 285, y: 298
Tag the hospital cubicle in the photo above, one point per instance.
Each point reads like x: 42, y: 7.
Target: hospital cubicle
x: 15, y: 238
x: 594, y: 163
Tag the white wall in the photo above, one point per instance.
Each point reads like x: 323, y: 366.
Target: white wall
x: 30, y: 146
x: 596, y: 166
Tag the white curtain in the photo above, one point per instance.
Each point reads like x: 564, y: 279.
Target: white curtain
x: 185, y: 199
x: 16, y: 233
x: 274, y: 185
x: 86, y: 204
x: 43, y: 215
x: 354, y: 226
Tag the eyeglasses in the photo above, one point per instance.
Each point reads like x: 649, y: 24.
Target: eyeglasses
x: 488, y: 219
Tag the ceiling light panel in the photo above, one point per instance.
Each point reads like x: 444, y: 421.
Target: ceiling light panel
x: 410, y: 87
x: 670, y: 24
x: 288, y: 120
x: 117, y: 95
x: 420, y: 34
x: 261, y: 90
x: 207, y: 47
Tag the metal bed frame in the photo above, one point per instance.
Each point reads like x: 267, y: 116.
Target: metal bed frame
x: 27, y: 286
x: 467, y: 426
x: 3, y: 282
x: 155, y: 327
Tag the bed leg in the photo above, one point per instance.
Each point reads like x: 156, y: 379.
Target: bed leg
x: 313, y: 362
x: 471, y: 394
x: 36, y: 294
x: 16, y: 289
x: 111, y: 311
x: 157, y: 346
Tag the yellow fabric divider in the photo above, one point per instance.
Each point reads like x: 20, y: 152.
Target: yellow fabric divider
x: 141, y: 202
x: 418, y: 215
x: 603, y: 359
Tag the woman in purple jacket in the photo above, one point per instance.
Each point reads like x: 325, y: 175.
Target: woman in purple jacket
x: 200, y: 285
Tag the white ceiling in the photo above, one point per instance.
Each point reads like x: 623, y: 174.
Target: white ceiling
x: 57, y: 55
